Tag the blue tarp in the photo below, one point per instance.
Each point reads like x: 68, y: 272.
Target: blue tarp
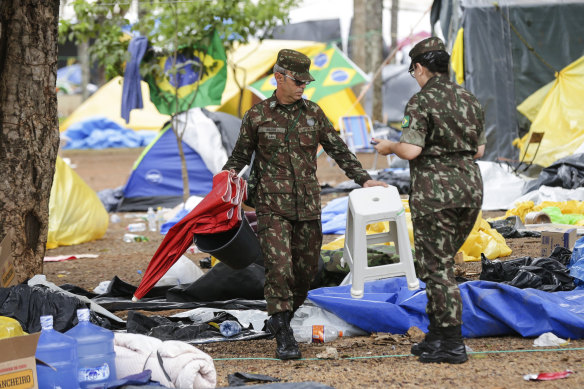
x: 334, y: 216
x: 489, y: 308
x: 102, y: 133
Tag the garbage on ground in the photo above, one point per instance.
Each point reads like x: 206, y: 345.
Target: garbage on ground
x: 547, y: 376
x: 547, y: 274
x: 10, y: 327
x: 240, y: 379
x: 184, y: 329
x: 184, y: 271
x: 60, y: 258
x: 549, y: 339
x: 316, y: 333
x: 115, y: 218
x: 229, y: 328
x: 128, y: 238
x: 136, y: 227
x: 309, y: 314
x: 185, y: 366
x: 328, y: 353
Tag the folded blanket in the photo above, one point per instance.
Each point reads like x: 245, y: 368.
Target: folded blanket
x: 173, y: 363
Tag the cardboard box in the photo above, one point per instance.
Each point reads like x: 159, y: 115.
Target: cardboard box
x: 554, y: 237
x: 17, y: 362
x: 7, y: 274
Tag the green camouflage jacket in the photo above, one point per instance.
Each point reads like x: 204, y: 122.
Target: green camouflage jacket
x: 286, y: 157
x: 447, y: 121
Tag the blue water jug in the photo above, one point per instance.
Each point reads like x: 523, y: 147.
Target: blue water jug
x: 60, y: 352
x: 95, y: 352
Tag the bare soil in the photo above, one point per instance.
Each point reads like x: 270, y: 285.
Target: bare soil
x: 375, y: 361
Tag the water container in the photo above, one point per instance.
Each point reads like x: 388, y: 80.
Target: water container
x: 60, y: 352
x: 229, y: 328
x: 95, y: 352
x: 151, y: 218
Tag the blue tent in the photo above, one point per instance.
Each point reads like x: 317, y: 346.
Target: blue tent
x: 156, y: 178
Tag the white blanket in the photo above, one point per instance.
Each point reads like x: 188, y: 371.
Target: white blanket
x: 173, y: 363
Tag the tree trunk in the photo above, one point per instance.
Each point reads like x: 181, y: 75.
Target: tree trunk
x: 29, y: 131
x: 375, y: 18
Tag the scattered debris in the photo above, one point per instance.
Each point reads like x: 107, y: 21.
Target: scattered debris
x: 549, y: 339
x: 547, y: 376
x: 329, y: 353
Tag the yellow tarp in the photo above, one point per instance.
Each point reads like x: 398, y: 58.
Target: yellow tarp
x: 457, y: 57
x: 76, y: 214
x: 567, y: 207
x: 482, y: 239
x: 107, y: 102
x: 248, y: 63
x: 560, y: 116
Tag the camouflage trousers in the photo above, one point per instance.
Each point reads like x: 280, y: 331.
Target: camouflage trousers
x: 437, y: 238
x: 291, y: 250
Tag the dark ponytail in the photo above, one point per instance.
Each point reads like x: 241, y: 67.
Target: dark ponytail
x: 436, y: 61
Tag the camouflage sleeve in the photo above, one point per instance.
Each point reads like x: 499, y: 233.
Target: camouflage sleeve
x: 414, y: 124
x: 244, y: 147
x: 337, y: 149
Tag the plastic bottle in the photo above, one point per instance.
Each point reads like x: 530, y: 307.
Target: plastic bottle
x: 229, y: 328
x: 160, y: 216
x: 134, y: 227
x: 316, y: 334
x: 60, y: 352
x: 95, y: 352
x: 128, y: 238
x: 151, y: 217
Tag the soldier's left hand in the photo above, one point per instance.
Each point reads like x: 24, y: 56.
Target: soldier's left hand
x: 370, y: 183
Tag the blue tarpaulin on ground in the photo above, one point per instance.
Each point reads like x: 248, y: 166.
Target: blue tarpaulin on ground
x: 101, y: 133
x: 489, y: 308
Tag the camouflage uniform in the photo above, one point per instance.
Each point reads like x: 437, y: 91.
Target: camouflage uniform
x: 285, y: 139
x: 446, y: 185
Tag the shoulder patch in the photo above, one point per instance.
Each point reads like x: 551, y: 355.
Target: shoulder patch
x: 406, y: 121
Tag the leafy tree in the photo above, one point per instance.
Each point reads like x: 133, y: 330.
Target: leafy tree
x: 170, y: 26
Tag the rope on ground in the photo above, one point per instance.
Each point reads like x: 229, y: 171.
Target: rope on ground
x: 408, y: 355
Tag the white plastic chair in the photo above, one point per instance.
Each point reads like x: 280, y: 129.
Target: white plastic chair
x: 372, y: 205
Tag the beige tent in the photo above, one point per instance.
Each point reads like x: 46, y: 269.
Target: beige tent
x: 107, y: 102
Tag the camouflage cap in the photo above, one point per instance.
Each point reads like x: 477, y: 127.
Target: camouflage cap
x: 428, y: 44
x: 296, y: 63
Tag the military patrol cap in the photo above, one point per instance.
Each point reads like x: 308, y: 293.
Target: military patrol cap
x: 428, y: 44
x: 296, y: 63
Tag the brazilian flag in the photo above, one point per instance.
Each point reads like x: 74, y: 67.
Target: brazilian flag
x: 332, y: 70
x: 196, y: 77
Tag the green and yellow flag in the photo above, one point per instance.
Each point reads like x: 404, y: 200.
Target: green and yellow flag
x: 198, y: 78
x: 332, y: 72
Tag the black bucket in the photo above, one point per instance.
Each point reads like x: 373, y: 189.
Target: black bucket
x: 237, y: 248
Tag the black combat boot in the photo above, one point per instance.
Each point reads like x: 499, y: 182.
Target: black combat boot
x: 430, y: 343
x: 451, y: 349
x: 279, y: 326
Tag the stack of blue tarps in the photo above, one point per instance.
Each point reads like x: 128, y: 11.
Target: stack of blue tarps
x: 101, y: 133
x: 489, y: 308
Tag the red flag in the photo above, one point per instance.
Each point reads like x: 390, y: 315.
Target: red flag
x: 219, y: 211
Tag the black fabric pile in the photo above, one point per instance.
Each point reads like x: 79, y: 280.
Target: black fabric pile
x: 547, y: 274
x: 512, y: 227
x: 566, y: 172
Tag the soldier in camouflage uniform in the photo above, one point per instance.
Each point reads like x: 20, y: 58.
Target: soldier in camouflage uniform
x: 284, y: 131
x: 442, y: 134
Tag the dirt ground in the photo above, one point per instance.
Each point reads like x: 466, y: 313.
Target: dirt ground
x: 375, y: 361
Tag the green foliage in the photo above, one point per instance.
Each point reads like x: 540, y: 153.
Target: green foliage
x: 169, y: 26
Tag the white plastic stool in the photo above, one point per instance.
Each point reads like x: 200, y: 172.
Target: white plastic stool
x: 368, y: 206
